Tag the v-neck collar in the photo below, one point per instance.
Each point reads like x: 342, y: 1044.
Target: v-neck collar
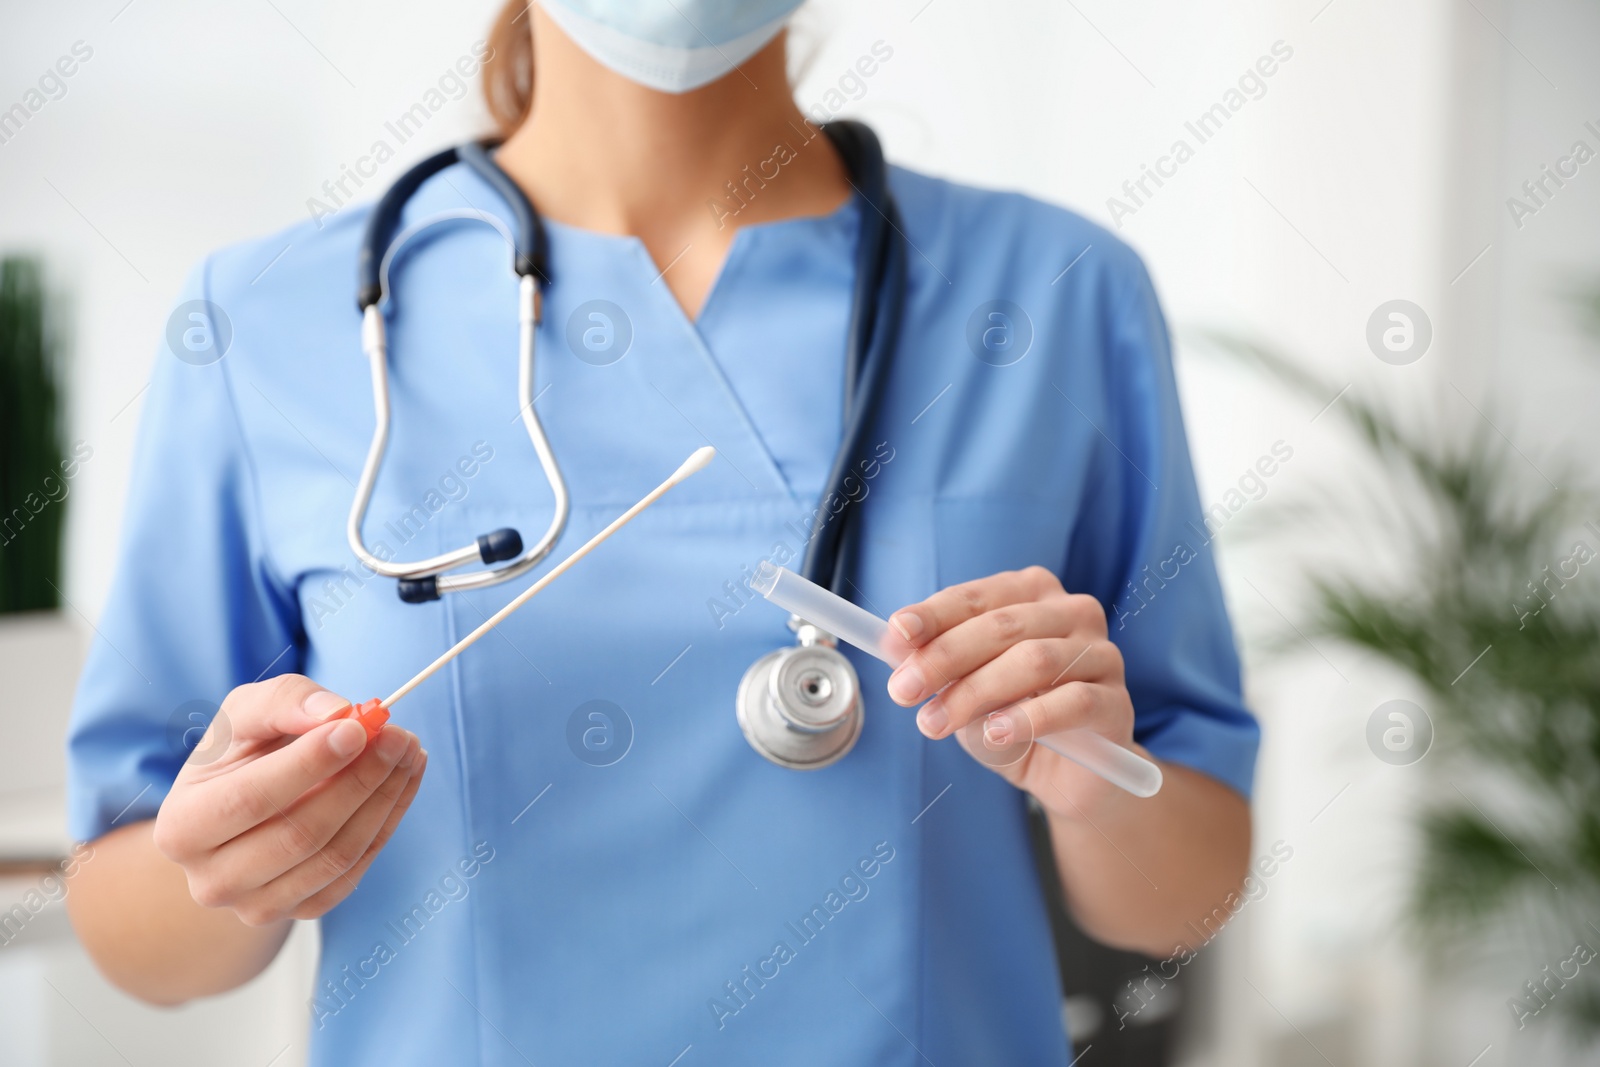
x: 715, y: 307
x: 686, y: 375
x: 743, y: 237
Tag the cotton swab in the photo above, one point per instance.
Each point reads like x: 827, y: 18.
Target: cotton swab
x: 374, y: 713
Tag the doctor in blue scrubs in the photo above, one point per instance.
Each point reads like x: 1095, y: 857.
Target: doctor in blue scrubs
x: 562, y: 850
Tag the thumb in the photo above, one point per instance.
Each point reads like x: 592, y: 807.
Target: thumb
x: 316, y: 706
x: 286, y: 706
x: 261, y: 717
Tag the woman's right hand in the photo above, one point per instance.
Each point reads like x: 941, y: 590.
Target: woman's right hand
x: 279, y: 811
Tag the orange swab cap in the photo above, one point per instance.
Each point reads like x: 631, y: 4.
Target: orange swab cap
x: 371, y: 715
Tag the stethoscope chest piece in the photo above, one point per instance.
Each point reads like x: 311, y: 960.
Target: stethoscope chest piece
x: 800, y: 707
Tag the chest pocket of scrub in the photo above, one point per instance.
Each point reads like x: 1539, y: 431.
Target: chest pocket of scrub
x: 976, y: 537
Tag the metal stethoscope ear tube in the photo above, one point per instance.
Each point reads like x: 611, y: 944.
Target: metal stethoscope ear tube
x: 423, y: 580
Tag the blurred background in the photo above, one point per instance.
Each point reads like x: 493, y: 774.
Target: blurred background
x: 1379, y: 248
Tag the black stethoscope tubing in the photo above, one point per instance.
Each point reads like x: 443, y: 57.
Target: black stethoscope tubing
x: 877, y: 301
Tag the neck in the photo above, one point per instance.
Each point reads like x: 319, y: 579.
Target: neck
x: 604, y: 153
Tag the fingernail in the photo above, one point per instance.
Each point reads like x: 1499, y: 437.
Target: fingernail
x: 997, y: 730
x: 909, y: 623
x: 347, y: 738
x: 392, y: 744
x: 905, y: 685
x: 932, y: 720
x: 321, y: 704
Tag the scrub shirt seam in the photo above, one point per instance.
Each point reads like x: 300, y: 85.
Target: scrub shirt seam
x: 737, y: 254
x: 258, y: 512
x: 708, y: 359
x: 1124, y: 304
x: 1121, y: 391
x: 843, y: 218
x: 921, y: 906
x: 846, y: 219
x: 738, y: 251
x: 458, y: 714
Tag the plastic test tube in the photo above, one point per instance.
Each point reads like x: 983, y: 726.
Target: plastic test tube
x: 855, y: 625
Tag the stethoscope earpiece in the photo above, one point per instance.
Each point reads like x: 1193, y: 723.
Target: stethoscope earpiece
x: 493, y: 547
x: 502, y: 544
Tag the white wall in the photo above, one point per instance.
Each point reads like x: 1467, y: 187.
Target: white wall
x: 1375, y: 166
x: 192, y: 125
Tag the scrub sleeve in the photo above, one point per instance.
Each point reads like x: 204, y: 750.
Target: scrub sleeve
x: 195, y: 605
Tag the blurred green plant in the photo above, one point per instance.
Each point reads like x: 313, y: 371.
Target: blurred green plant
x: 31, y: 447
x: 1497, y: 616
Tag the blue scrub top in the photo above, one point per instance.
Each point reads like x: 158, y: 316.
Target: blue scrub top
x: 598, y: 869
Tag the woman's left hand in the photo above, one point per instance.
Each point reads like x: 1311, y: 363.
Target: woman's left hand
x: 1018, y: 638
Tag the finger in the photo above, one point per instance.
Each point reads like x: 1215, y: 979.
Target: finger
x: 1003, y: 739
x: 281, y: 898
x: 922, y: 622
x: 967, y: 646
x: 257, y: 719
x: 208, y: 813
x: 1027, y: 667
x: 322, y: 902
x: 1010, y: 750
x: 288, y: 705
x: 1076, y: 706
x: 332, y: 869
x: 299, y: 831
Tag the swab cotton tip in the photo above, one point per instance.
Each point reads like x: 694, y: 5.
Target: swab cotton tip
x: 697, y: 462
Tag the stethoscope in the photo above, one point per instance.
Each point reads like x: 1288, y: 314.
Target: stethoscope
x: 800, y: 706
x: 425, y: 579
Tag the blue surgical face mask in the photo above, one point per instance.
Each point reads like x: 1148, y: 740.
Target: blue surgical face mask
x: 671, y: 45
